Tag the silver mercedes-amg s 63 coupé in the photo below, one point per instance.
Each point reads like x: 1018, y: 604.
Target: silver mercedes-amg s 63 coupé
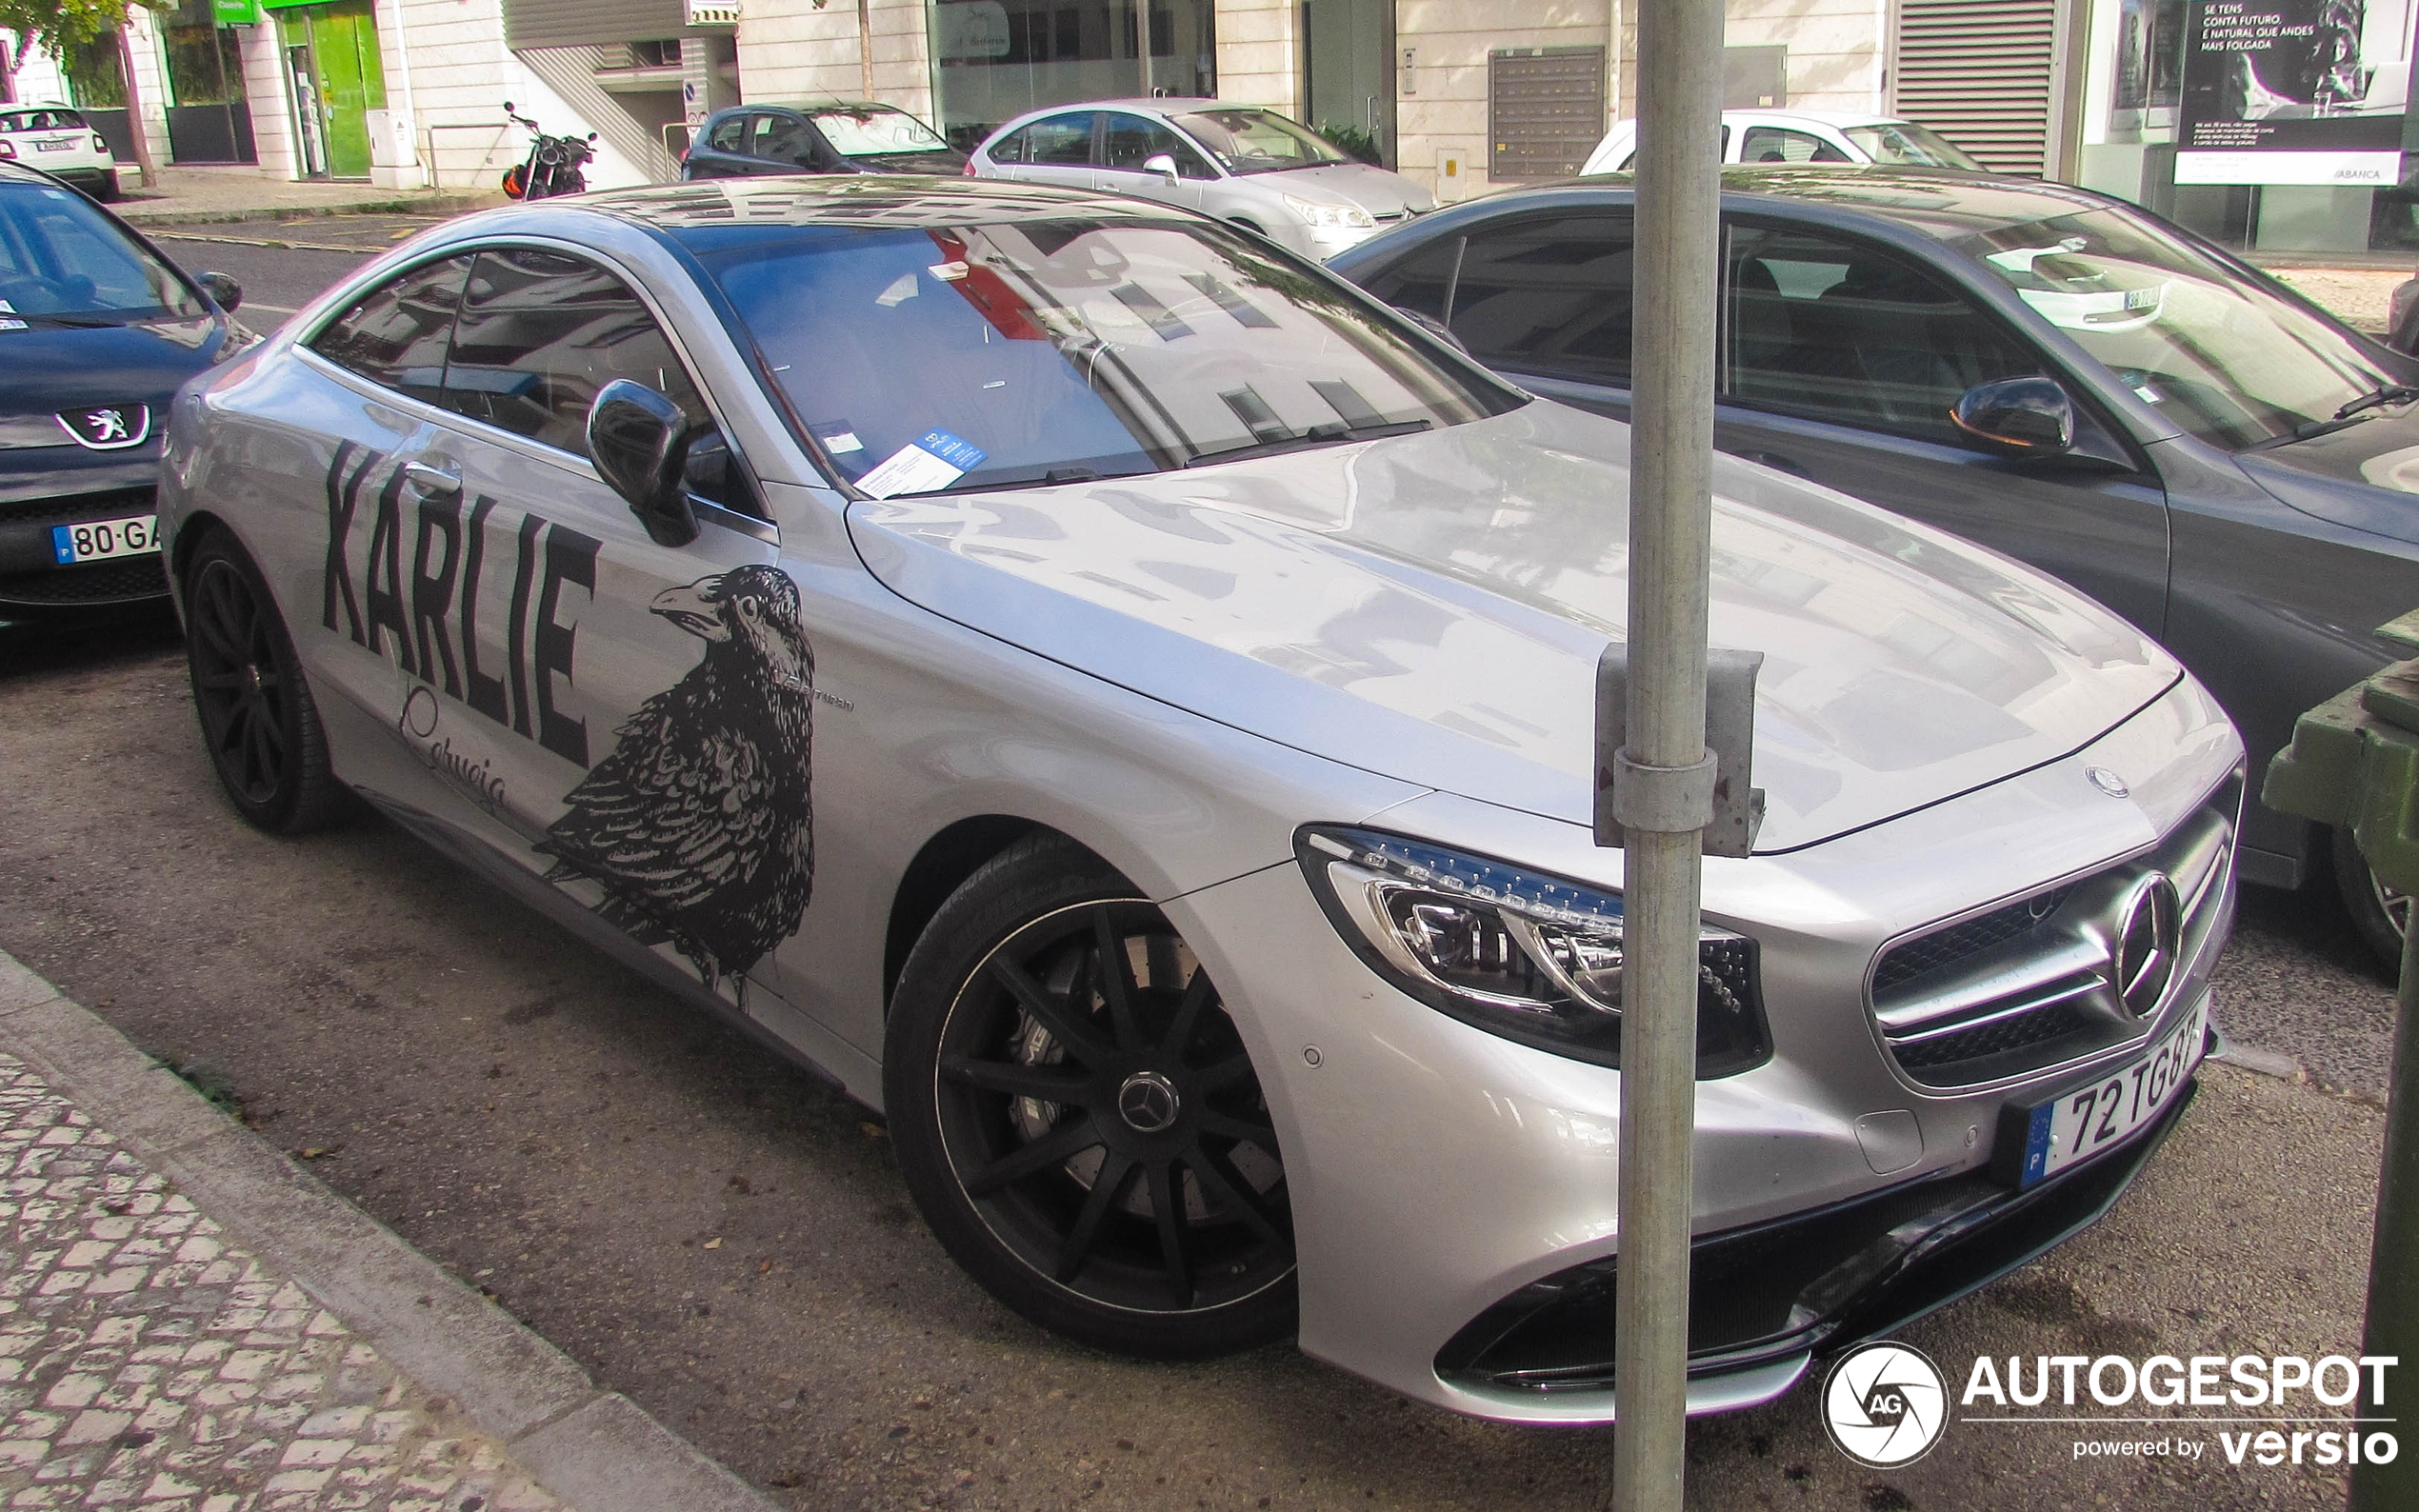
x: 1122, y: 702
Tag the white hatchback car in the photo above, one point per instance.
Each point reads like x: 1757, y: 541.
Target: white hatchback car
x: 1802, y: 136
x: 57, y: 140
x: 1244, y: 165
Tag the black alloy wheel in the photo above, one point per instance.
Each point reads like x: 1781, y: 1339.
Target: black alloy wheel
x: 1078, y: 1119
x: 2379, y: 912
x: 257, y: 717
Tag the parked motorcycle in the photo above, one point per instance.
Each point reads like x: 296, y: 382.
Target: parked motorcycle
x: 554, y: 165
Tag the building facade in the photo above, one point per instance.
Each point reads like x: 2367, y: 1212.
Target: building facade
x: 2273, y: 125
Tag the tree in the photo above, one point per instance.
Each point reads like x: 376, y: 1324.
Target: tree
x: 62, y: 26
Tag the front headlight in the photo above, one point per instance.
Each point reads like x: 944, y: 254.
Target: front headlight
x: 1329, y: 216
x: 1515, y: 952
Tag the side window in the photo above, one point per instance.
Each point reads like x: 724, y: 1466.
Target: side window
x: 1773, y: 144
x: 730, y: 134
x: 1063, y: 141
x: 396, y: 334
x: 1130, y: 141
x: 1839, y: 331
x: 1010, y: 149
x: 781, y: 139
x: 1548, y: 294
x: 1423, y: 281
x: 540, y: 333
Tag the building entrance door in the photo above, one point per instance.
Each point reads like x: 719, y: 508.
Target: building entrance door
x: 1348, y: 68
x: 331, y: 58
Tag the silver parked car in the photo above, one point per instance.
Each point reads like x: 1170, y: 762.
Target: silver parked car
x: 1121, y: 702
x: 1236, y: 162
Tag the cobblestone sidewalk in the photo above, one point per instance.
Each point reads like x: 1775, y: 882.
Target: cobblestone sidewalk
x: 148, y: 1363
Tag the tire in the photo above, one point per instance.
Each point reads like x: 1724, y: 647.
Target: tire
x: 258, y: 721
x: 2379, y: 912
x: 1237, y: 220
x: 107, y: 192
x: 1162, y: 1232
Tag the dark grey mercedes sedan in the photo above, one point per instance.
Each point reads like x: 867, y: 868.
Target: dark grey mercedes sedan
x: 2049, y: 372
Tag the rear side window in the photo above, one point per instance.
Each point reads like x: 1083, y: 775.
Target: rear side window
x: 1063, y: 141
x: 538, y: 335
x: 396, y: 334
x: 1548, y: 294
x: 730, y: 134
x: 1423, y: 281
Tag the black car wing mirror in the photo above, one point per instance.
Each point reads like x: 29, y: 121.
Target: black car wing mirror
x: 639, y: 441
x: 1163, y: 164
x: 2018, y: 417
x: 223, y: 290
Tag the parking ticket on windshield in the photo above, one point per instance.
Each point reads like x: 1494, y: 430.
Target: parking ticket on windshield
x: 933, y: 460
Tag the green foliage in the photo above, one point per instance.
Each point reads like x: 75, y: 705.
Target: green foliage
x: 61, y: 24
x: 1344, y: 136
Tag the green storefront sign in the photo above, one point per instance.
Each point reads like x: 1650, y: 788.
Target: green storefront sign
x: 234, y: 13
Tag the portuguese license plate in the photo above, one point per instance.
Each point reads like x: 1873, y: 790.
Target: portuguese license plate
x: 99, y: 539
x: 56, y: 144
x: 2083, y: 1121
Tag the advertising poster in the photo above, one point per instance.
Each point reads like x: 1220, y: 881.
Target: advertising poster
x: 2294, y: 92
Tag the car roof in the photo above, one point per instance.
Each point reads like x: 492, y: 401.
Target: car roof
x: 808, y: 107
x: 1837, y: 118
x: 1944, y: 203
x: 870, y: 199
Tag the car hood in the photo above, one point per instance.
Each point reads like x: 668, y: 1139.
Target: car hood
x: 2363, y: 476
x: 53, y: 368
x: 1385, y: 196
x: 1431, y: 607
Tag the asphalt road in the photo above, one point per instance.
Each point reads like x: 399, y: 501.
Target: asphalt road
x: 720, y: 1235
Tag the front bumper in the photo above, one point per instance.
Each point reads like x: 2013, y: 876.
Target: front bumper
x: 1436, y: 1170
x: 73, y: 487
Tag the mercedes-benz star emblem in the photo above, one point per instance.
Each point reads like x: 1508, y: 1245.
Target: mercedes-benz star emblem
x: 1147, y: 1102
x: 2108, y: 781
x: 108, y: 428
x: 1885, y: 1405
x: 2147, y: 939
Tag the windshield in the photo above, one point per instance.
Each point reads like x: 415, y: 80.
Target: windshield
x: 1906, y: 142
x: 2220, y: 356
x: 1247, y: 141
x: 61, y: 259
x: 1055, y: 350
x: 870, y: 132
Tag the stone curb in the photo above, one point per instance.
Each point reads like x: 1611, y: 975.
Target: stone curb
x: 595, y: 1449
x: 439, y: 204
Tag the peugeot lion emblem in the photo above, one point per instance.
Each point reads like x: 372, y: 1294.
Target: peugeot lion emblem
x: 108, y: 428
x: 2147, y: 944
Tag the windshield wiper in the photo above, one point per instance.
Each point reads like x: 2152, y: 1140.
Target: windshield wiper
x: 71, y: 322
x: 2390, y: 395
x: 1333, y: 430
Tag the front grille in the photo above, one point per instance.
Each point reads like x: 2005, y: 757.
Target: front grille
x: 2028, y: 984
x: 114, y: 505
x: 1926, y: 954
x: 92, y: 582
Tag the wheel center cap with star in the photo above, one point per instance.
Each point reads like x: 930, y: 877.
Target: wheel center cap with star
x: 1147, y: 1103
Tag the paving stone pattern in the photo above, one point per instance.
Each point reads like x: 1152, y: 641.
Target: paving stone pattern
x: 146, y: 1362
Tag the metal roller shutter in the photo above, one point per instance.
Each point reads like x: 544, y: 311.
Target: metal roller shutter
x: 1980, y: 73
x: 573, y: 23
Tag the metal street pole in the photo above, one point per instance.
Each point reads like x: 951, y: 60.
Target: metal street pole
x: 1663, y: 778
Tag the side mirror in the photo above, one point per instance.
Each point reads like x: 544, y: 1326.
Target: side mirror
x: 1163, y: 164
x: 639, y: 441
x: 2018, y: 417
x: 226, y: 294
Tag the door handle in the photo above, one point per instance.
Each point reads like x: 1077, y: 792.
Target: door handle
x: 434, y: 481
x: 1776, y: 462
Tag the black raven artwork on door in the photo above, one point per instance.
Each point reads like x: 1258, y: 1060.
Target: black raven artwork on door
x: 698, y: 825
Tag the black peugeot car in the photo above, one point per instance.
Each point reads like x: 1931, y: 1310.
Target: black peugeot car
x: 97, y: 329
x: 836, y: 137
x: 2049, y: 372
